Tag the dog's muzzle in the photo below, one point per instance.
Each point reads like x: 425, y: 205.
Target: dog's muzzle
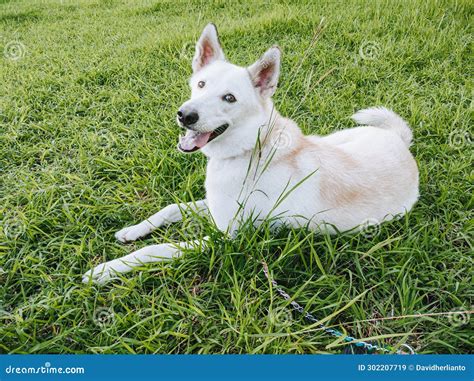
x: 193, y: 141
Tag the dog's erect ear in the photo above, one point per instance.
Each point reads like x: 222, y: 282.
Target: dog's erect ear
x: 265, y: 72
x: 208, y: 48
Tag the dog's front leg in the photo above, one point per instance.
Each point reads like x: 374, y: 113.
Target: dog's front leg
x: 171, y: 213
x: 153, y: 253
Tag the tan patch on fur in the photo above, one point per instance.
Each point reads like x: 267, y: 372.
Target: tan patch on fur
x: 336, y: 195
x: 298, y: 143
x: 291, y: 157
x: 334, y: 190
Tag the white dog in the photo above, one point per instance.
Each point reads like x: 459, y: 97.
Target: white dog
x: 261, y: 166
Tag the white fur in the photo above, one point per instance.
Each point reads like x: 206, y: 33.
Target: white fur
x: 384, y: 118
x: 263, y: 167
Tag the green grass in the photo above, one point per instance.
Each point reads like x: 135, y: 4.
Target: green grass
x: 87, y: 147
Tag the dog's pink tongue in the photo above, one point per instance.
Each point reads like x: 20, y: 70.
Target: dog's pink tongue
x: 194, y: 139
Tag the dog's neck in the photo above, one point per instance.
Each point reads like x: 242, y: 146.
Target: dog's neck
x: 278, y: 135
x: 274, y: 132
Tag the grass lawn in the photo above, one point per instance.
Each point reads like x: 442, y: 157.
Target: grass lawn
x: 89, y: 92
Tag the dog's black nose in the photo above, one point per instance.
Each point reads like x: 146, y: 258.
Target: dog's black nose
x: 187, y: 118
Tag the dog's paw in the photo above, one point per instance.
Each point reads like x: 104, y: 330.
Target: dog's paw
x: 99, y: 274
x: 131, y: 233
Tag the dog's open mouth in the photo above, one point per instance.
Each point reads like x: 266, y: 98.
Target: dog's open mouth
x: 194, y: 140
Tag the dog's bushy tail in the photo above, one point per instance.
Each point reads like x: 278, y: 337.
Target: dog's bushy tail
x: 384, y: 118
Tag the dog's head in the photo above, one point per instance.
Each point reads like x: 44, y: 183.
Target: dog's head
x: 228, y: 103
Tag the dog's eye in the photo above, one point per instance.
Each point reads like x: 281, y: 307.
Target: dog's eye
x: 229, y: 98
x: 201, y: 84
